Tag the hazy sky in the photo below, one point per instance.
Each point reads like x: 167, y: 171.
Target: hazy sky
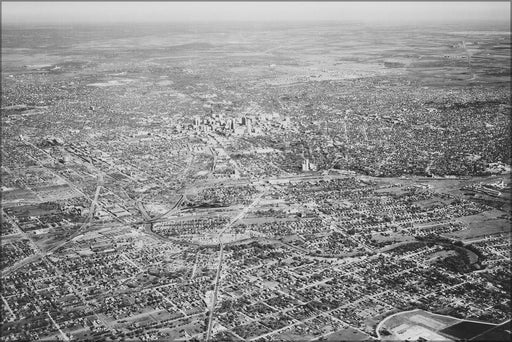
x: 96, y: 12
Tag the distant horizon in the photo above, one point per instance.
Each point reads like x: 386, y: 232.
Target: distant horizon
x: 485, y: 25
x: 100, y: 13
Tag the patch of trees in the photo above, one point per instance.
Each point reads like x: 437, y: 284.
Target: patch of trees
x: 49, y: 206
x: 408, y: 247
x: 475, y: 250
x: 456, y: 263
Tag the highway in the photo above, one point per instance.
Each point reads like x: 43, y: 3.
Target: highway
x: 221, y: 257
x: 41, y: 254
x: 87, y: 221
x: 149, y: 219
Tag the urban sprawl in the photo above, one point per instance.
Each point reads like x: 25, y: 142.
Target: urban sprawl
x: 312, y: 188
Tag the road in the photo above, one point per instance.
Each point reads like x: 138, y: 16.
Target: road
x: 64, y: 336
x: 87, y: 221
x: 38, y: 253
x: 41, y: 254
x: 221, y: 257
x: 194, y: 270
x: 149, y: 219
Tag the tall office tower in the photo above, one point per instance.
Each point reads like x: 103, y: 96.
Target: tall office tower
x: 249, y: 126
x: 305, y: 165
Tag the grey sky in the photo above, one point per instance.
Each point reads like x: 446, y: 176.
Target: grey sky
x: 97, y: 12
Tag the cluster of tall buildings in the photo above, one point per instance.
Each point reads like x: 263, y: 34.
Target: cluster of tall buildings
x: 247, y: 125
x: 238, y: 126
x: 308, y: 166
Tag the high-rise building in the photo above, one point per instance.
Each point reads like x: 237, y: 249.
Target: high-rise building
x: 305, y: 165
x: 249, y: 126
x: 231, y: 124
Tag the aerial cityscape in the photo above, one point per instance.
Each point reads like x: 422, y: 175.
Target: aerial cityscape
x: 256, y: 181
